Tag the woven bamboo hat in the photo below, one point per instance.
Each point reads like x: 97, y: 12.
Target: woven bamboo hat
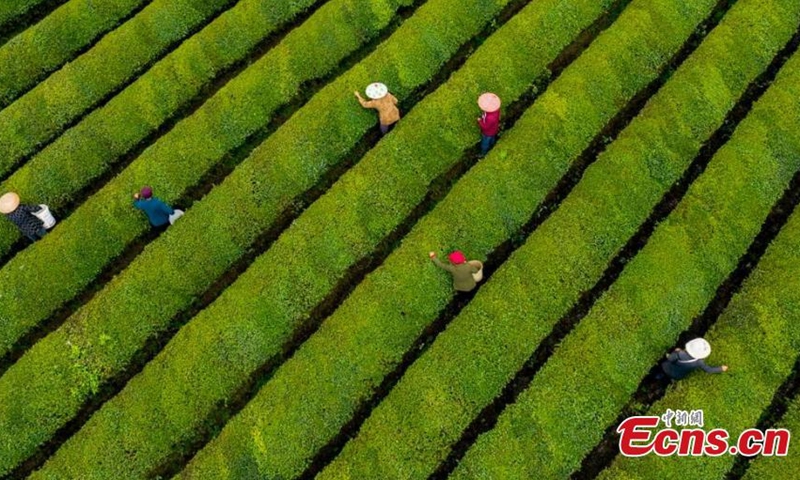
x: 377, y: 90
x: 698, y: 348
x: 489, y: 102
x: 9, y: 202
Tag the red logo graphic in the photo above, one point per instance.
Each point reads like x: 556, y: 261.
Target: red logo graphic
x: 638, y: 438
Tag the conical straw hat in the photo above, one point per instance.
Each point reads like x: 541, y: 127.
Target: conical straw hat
x: 489, y: 102
x: 377, y: 90
x: 698, y: 348
x: 9, y: 202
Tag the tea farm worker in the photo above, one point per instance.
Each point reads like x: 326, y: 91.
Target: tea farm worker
x: 157, y: 211
x: 681, y: 363
x: 22, y: 216
x: 489, y: 121
x: 462, y: 271
x: 382, y: 101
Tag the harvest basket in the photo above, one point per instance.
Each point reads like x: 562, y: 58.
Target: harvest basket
x: 45, y: 216
x: 478, y: 276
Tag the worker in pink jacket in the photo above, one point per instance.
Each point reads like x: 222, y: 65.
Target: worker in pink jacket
x: 489, y: 121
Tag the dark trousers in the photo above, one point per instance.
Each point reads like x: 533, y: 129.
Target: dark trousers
x: 487, y: 143
x: 386, y: 128
x: 38, y: 235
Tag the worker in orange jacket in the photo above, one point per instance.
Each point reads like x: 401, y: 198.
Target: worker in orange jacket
x: 382, y: 101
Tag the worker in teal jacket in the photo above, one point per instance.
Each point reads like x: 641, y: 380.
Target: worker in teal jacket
x: 157, y: 211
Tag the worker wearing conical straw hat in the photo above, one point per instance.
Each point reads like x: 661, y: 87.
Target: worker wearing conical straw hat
x: 463, y: 272
x: 681, y: 363
x: 384, y: 102
x: 489, y: 121
x: 22, y: 216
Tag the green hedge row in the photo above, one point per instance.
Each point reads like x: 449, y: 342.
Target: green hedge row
x: 86, y: 151
x: 285, y: 302
x: 470, y: 363
x: 758, y: 337
x: 11, y: 10
x: 222, y: 226
x: 70, y: 246
x: 41, y: 114
x: 72, y: 256
x: 51, y: 43
x: 783, y: 468
x: 316, y: 392
x: 583, y: 386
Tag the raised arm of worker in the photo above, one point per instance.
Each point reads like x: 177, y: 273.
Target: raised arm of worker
x: 709, y: 369
x: 489, y: 121
x: 365, y: 103
x: 438, y: 263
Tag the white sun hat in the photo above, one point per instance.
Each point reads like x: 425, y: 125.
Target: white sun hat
x: 9, y: 202
x: 698, y: 348
x: 377, y: 90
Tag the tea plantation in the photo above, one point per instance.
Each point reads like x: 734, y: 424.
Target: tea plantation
x: 641, y: 193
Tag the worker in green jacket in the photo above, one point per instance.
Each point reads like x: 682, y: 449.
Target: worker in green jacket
x: 463, y: 272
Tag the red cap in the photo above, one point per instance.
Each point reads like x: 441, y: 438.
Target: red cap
x: 146, y: 192
x: 457, y: 257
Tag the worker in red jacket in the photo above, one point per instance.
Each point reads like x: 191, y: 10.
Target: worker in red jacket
x: 489, y: 121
